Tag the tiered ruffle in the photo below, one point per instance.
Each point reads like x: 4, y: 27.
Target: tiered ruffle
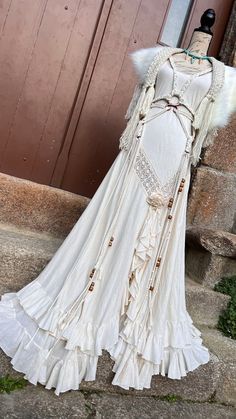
x: 47, y: 359
x: 31, y: 333
x: 175, y: 354
x: 139, y: 353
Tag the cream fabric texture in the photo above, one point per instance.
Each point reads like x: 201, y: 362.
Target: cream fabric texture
x: 117, y: 282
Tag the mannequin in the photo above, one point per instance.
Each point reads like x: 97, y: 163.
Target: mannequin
x: 198, y: 45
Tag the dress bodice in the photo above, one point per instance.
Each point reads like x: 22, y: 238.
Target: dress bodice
x: 193, y: 94
x: 169, y: 120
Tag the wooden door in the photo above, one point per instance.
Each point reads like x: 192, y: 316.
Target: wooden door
x: 91, y: 144
x: 44, y: 48
x: 66, y: 80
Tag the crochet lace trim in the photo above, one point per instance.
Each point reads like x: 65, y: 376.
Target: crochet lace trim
x: 149, y: 178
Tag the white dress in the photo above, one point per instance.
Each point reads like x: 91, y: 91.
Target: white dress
x: 117, y: 282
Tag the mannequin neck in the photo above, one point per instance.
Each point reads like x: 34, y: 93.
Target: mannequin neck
x: 199, y: 43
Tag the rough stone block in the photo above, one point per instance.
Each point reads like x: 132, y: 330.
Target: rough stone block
x: 212, y: 200
x: 38, y: 403
x: 39, y: 207
x: 225, y: 350
x: 210, y: 254
x: 221, y: 154
x: 217, y: 242
x: 129, y: 407
x: 203, y: 304
x: 23, y: 255
x: 207, y: 269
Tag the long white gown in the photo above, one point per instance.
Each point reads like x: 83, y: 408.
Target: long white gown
x: 55, y: 327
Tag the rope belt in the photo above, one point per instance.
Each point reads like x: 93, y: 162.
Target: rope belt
x: 179, y: 109
x: 183, y: 109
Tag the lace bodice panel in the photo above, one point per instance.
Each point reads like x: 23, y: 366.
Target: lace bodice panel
x: 164, y: 140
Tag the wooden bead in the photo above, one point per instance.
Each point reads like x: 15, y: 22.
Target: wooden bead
x: 169, y: 216
x: 158, y: 262
x: 91, y: 286
x: 141, y: 115
x: 110, y: 241
x: 92, y: 272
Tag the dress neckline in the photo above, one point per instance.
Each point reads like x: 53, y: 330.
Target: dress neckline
x: 197, y: 73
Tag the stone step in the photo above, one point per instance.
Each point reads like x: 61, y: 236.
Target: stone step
x: 24, y: 254
x: 214, y: 381
x: 210, y: 254
x: 198, y: 385
x: 224, y: 349
x: 37, y: 403
x: 203, y: 304
x: 39, y: 207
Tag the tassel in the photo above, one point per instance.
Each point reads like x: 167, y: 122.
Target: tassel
x: 200, y: 123
x: 134, y: 100
x: 209, y: 139
x: 199, y: 114
x: 147, y: 101
x: 127, y: 136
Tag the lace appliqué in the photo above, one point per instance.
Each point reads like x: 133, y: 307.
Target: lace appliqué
x: 158, y: 194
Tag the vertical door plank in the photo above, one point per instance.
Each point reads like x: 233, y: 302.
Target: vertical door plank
x: 70, y: 77
x: 5, y: 6
x: 39, y: 87
x: 82, y: 91
x: 18, y: 35
x: 131, y: 25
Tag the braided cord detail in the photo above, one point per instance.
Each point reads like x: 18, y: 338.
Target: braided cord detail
x: 218, y: 78
x: 157, y: 61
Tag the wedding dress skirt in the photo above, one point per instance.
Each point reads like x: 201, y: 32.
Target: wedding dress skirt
x: 106, y: 286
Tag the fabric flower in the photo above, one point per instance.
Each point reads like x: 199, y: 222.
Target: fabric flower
x: 156, y: 199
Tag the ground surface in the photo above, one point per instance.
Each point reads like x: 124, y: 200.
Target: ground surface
x: 34, y: 402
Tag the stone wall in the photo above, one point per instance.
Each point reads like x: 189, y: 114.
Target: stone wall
x: 228, y: 47
x: 211, y: 221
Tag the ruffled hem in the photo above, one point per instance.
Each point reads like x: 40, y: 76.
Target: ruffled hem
x: 133, y: 371
x: 39, y: 306
x: 135, y: 364
x: 47, y: 359
x: 31, y: 333
x: 139, y: 353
